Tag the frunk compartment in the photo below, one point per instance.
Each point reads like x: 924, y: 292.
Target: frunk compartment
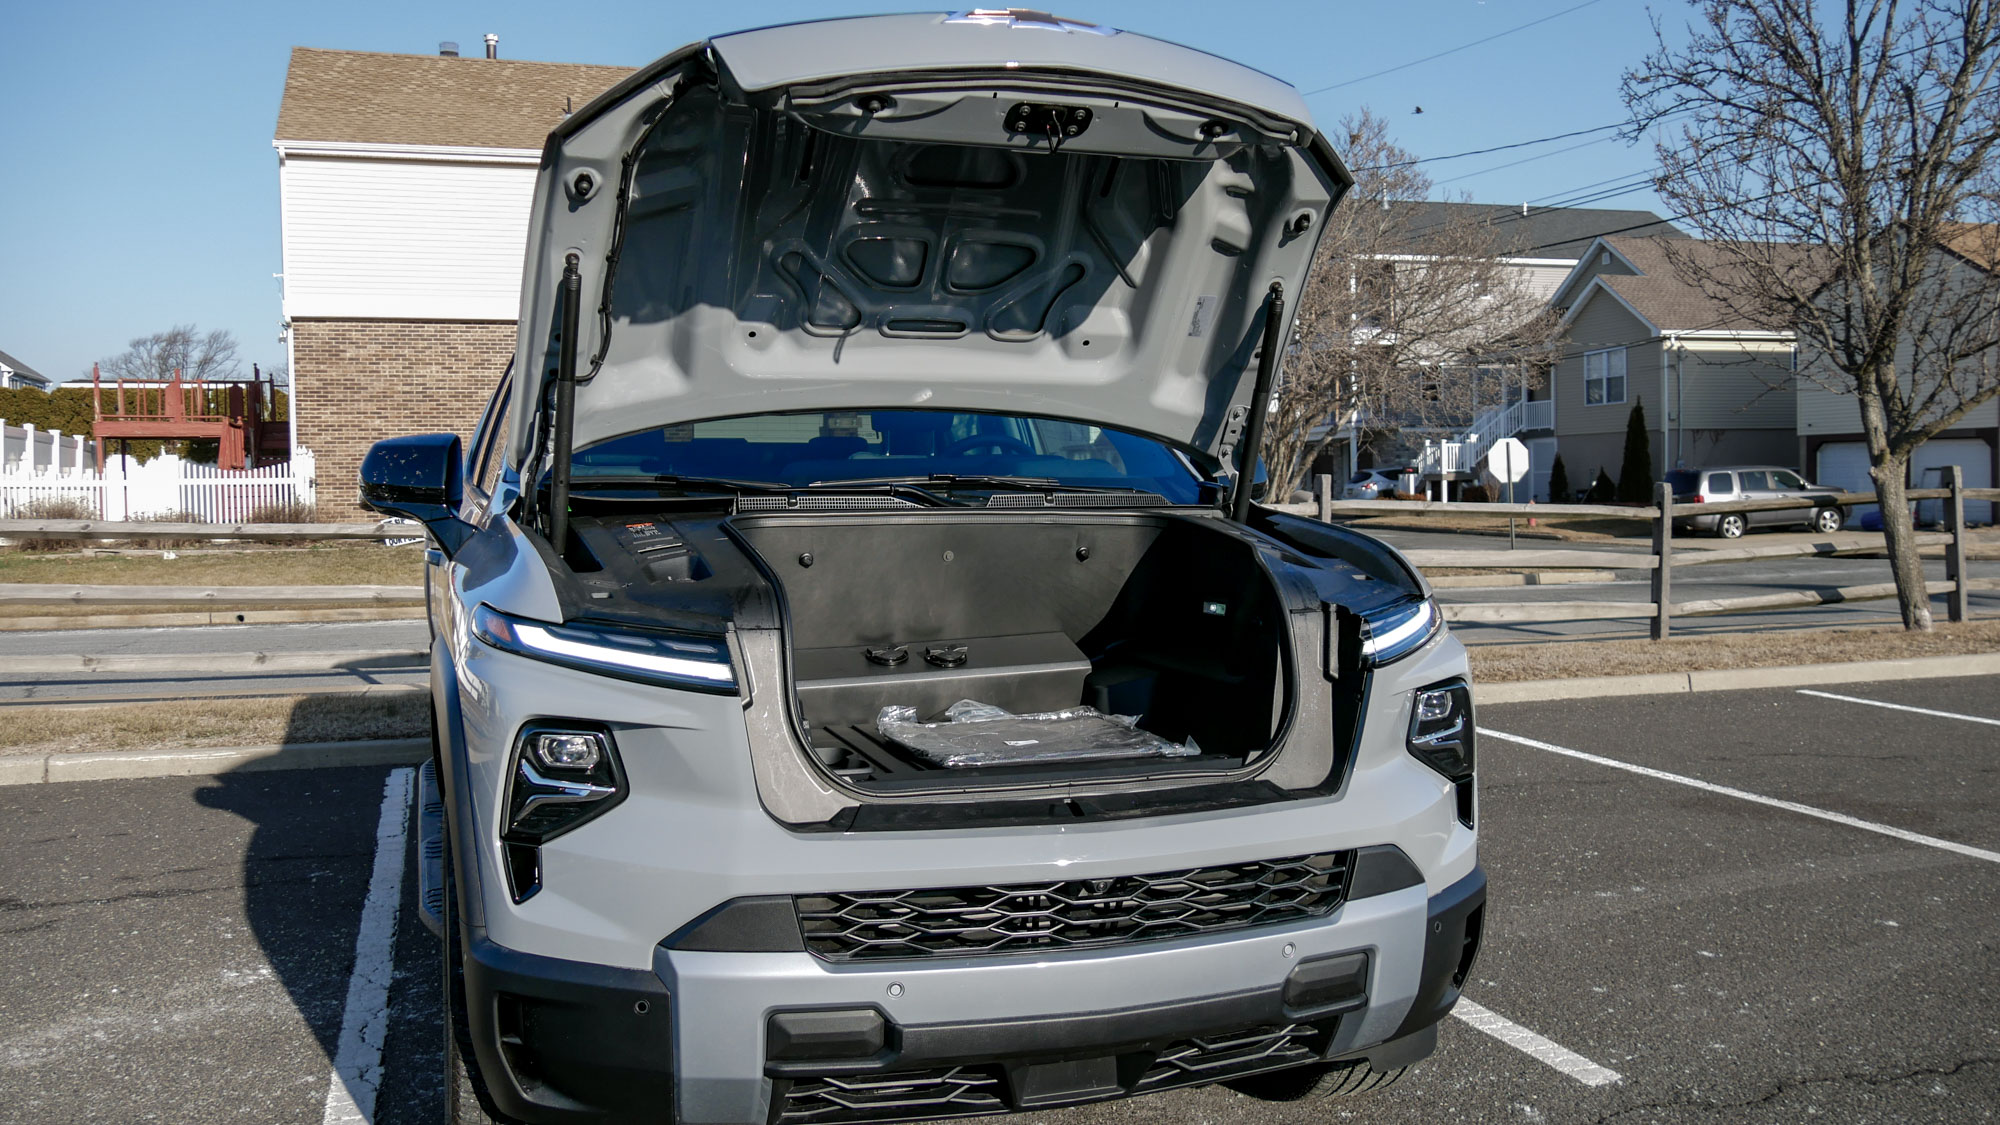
x: 1160, y: 617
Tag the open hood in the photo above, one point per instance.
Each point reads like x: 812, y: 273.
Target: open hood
x: 991, y: 211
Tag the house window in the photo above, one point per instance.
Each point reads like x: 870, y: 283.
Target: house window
x: 1604, y: 377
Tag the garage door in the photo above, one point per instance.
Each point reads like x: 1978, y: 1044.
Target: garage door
x: 1975, y: 457
x: 1844, y: 465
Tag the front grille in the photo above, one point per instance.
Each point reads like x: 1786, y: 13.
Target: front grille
x: 1071, y: 914
x: 1211, y: 1058
x: 912, y: 1095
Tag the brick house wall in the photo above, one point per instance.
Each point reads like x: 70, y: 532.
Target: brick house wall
x: 357, y: 381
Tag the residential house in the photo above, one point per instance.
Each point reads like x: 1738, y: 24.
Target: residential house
x: 404, y: 186
x: 1718, y: 388
x: 1541, y: 248
x: 1832, y: 447
x: 14, y: 373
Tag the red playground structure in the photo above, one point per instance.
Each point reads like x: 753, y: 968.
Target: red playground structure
x: 237, y: 413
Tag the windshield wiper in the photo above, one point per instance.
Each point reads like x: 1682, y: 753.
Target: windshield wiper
x: 949, y: 481
x: 672, y: 480
x: 763, y: 487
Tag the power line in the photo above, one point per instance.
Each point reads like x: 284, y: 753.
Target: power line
x: 1495, y: 148
x: 1619, y: 178
x: 1523, y: 160
x: 1454, y: 50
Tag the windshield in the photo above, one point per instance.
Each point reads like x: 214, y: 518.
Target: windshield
x: 832, y: 447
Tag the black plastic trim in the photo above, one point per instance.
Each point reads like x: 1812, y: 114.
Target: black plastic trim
x: 1451, y: 944
x: 1081, y: 1035
x: 822, y: 1034
x: 1380, y: 869
x: 1326, y: 986
x: 755, y: 924
x: 584, y: 1043
x: 1407, y: 1050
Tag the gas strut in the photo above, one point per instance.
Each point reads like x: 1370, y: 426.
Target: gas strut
x: 1260, y: 403
x: 565, y: 414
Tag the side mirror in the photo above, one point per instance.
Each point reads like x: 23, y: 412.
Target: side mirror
x: 422, y: 478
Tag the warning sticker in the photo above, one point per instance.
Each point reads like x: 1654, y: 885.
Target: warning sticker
x: 1204, y: 312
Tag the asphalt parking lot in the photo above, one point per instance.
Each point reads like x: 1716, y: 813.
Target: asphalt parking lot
x: 1750, y: 906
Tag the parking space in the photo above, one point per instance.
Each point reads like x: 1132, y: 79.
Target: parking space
x: 185, y: 949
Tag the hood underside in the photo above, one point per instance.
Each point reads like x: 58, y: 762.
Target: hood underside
x: 925, y: 211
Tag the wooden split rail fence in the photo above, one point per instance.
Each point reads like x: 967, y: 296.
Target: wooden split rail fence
x: 1663, y: 560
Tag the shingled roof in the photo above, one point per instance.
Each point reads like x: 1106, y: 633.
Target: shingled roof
x: 1536, y: 232
x: 369, y: 98
x: 1672, y: 304
x: 1978, y: 243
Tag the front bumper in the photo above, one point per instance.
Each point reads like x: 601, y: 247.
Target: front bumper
x: 754, y: 1038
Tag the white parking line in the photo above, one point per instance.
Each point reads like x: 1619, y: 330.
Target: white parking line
x: 1537, y: 1047
x: 357, y: 1061
x: 1745, y: 795
x: 1901, y: 707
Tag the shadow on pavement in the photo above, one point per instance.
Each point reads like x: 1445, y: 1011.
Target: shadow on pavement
x: 306, y: 874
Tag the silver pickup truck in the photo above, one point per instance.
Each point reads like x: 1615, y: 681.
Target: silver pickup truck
x: 865, y: 689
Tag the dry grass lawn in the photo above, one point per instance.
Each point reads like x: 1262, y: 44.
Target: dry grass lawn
x: 346, y: 564
x: 216, y: 722
x: 1509, y: 663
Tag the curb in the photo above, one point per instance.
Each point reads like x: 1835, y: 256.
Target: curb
x: 358, y: 660
x: 110, y: 699
x: 1737, y: 679
x: 52, y: 623
x: 112, y: 765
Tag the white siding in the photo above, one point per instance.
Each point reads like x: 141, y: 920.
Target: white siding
x: 404, y: 239
x: 1540, y: 281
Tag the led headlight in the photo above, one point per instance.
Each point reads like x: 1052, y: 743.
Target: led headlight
x: 565, y: 774
x: 681, y: 660
x: 1441, y: 730
x: 567, y: 750
x: 1400, y: 629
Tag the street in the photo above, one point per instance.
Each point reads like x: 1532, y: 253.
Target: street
x: 1795, y: 912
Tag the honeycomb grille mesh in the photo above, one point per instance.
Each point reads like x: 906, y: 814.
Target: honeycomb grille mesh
x: 1210, y: 1058
x: 968, y: 1091
x: 1071, y: 914
x: 955, y: 1091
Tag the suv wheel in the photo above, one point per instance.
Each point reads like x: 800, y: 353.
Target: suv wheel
x: 1313, y: 1083
x: 1730, y: 526
x: 1826, y: 521
x: 465, y: 1100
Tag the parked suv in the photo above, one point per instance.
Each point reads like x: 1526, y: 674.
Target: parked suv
x: 864, y: 689
x: 1754, y: 482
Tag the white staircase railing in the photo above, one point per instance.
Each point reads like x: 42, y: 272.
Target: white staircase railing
x: 1441, y: 458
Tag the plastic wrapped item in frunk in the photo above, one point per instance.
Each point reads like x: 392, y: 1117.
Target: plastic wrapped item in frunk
x: 980, y: 734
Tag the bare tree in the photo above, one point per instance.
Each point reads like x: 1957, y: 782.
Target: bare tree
x: 1841, y: 156
x: 183, y: 348
x: 1403, y: 321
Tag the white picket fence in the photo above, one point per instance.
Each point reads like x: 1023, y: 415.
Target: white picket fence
x: 164, y: 486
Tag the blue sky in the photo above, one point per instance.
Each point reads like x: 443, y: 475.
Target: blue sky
x: 141, y: 189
